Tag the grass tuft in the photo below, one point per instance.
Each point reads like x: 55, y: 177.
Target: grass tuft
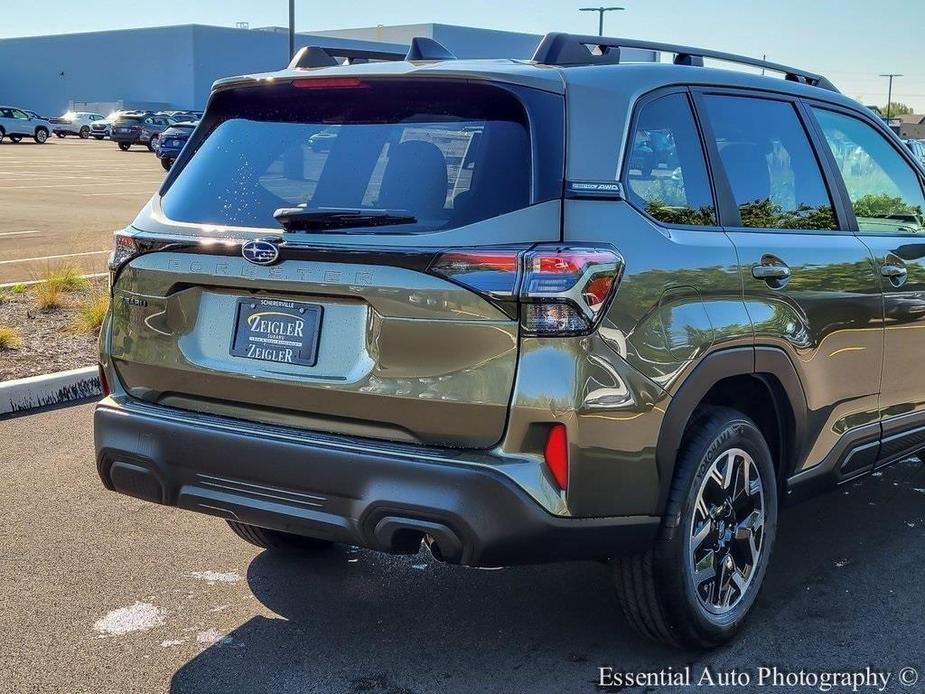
x: 9, y: 338
x: 92, y: 312
x: 48, y: 295
x: 19, y: 288
x: 67, y: 278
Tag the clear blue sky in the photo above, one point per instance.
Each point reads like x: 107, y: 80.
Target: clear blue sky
x: 850, y: 41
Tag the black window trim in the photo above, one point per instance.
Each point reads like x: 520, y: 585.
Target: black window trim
x: 731, y: 210
x: 638, y: 106
x: 891, y: 138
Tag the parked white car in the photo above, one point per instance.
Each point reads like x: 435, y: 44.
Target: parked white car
x: 17, y: 124
x: 75, y: 123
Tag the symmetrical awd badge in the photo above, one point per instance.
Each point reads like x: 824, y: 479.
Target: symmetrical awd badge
x: 260, y: 252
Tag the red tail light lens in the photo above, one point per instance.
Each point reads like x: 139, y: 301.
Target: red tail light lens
x: 556, y: 454
x: 492, y: 273
x: 563, y: 290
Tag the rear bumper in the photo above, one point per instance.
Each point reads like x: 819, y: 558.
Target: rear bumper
x: 381, y: 496
x: 126, y: 137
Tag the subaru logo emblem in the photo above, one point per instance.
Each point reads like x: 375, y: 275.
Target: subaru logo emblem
x: 260, y: 252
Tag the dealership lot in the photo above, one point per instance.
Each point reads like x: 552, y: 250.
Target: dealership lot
x: 209, y: 613
x: 62, y: 200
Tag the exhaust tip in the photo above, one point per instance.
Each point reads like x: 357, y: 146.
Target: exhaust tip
x: 403, y: 536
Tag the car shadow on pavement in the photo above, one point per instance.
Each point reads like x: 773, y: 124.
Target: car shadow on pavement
x: 356, y: 621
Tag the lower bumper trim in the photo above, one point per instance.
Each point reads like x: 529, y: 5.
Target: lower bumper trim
x: 469, y: 514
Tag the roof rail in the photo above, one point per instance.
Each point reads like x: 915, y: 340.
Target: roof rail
x: 422, y: 48
x: 574, y: 49
x: 326, y: 56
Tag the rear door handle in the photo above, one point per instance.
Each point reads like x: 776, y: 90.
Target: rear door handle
x: 770, y: 273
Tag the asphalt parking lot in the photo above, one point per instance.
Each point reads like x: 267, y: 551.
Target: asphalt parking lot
x: 62, y: 201
x: 103, y: 593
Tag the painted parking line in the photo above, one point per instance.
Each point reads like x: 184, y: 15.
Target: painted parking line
x: 51, y: 257
x: 60, y: 185
x: 19, y: 233
x: 119, y: 192
x: 92, y: 275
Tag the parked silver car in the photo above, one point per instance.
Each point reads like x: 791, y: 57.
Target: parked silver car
x: 75, y: 123
x: 16, y: 124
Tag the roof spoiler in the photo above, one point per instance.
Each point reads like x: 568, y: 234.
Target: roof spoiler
x: 575, y: 49
x: 421, y: 48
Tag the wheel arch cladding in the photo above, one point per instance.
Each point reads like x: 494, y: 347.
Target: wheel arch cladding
x: 745, y: 379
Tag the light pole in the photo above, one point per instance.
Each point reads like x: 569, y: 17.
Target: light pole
x: 889, y: 97
x: 291, y: 30
x: 600, y: 19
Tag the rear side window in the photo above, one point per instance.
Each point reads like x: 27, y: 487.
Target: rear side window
x: 666, y: 174
x: 885, y: 190
x: 445, y: 153
x: 773, y: 172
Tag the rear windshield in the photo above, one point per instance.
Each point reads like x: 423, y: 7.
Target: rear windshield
x: 445, y: 153
x: 129, y: 119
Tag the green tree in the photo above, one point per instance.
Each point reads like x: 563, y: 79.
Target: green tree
x: 896, y: 108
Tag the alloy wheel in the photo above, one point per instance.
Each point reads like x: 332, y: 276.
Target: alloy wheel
x: 727, y: 531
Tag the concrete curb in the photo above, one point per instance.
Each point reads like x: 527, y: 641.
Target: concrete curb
x: 50, y: 389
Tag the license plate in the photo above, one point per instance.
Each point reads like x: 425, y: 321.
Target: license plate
x: 285, y: 332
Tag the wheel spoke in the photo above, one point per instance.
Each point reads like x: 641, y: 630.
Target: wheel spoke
x: 739, y: 580
x: 729, y: 472
x: 705, y: 569
x: 748, y: 530
x: 701, y: 534
x: 724, y: 579
x: 702, y: 508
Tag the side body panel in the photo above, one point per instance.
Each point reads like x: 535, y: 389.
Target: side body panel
x: 680, y: 299
x: 827, y: 319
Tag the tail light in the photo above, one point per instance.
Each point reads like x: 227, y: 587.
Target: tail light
x: 126, y: 245
x: 104, y: 382
x: 556, y: 454
x: 562, y: 290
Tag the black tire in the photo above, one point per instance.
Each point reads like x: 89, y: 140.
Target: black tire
x: 16, y: 139
x: 166, y: 163
x: 151, y: 142
x: 124, y: 146
x: 275, y: 539
x: 657, y: 590
x: 2, y: 134
x: 41, y: 136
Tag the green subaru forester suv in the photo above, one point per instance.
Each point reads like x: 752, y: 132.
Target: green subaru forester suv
x: 575, y: 307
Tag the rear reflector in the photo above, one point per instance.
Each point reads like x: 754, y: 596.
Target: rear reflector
x: 556, y: 454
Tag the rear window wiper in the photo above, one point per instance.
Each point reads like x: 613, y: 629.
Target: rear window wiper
x: 326, y: 218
